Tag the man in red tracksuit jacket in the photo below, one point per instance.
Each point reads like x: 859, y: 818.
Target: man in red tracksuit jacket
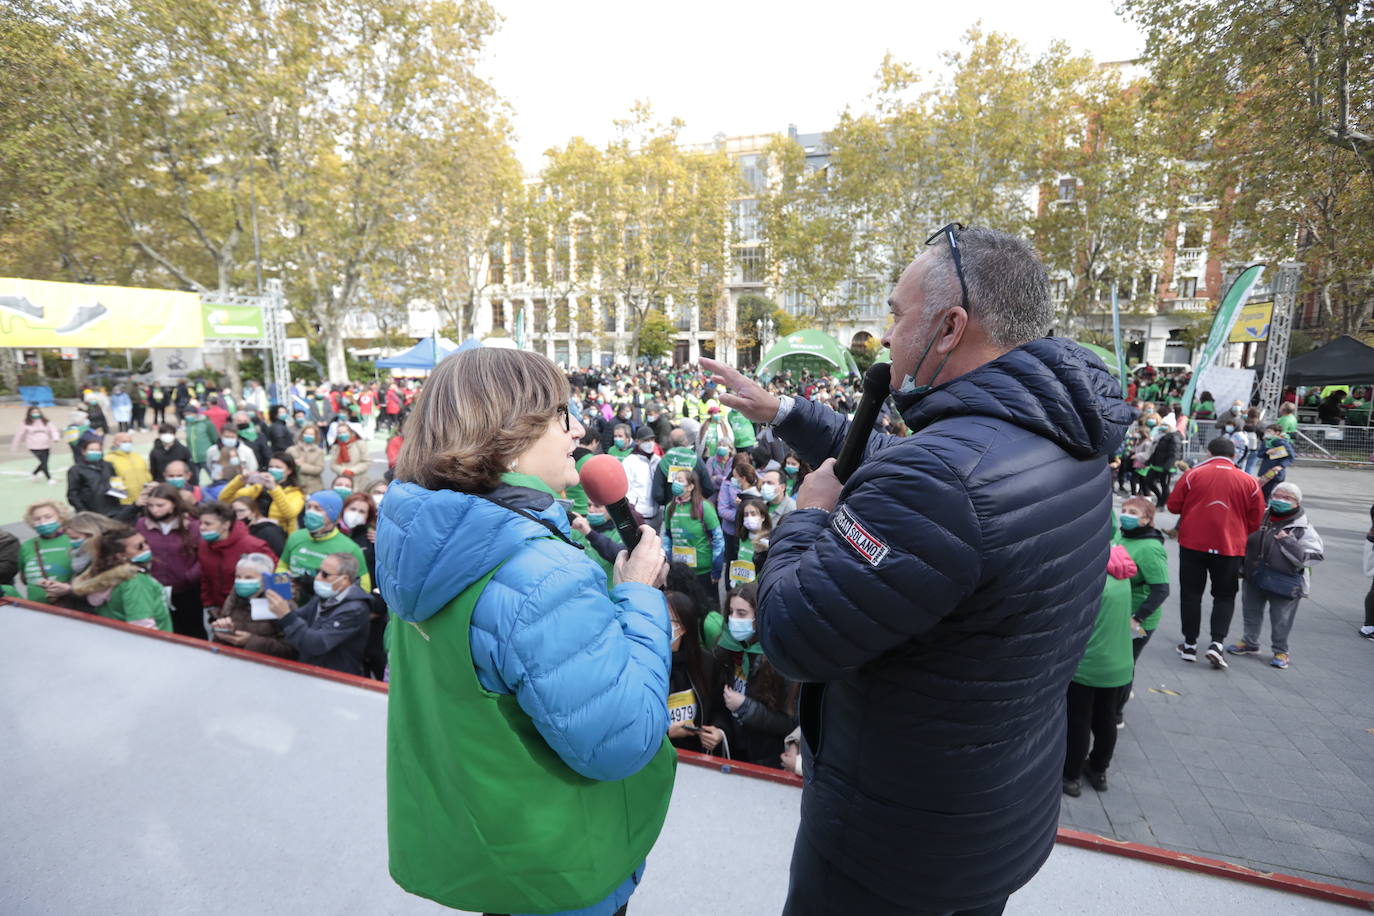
x: 1218, y: 506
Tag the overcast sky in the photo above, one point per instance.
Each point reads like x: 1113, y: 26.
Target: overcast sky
x: 570, y: 67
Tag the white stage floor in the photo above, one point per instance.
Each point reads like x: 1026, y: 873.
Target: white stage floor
x: 141, y: 776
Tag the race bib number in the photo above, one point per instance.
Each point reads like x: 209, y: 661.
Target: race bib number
x: 683, y: 553
x: 682, y: 707
x: 741, y: 571
x: 674, y: 468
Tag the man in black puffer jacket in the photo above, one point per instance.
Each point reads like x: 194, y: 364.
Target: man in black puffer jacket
x: 938, y: 603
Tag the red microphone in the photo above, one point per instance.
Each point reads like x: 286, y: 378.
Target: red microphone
x: 603, y: 479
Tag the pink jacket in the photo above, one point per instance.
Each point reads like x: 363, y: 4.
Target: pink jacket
x: 36, y: 436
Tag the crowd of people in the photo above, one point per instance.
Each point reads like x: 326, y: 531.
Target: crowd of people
x: 253, y: 523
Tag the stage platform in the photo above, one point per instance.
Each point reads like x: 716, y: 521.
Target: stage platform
x: 146, y: 775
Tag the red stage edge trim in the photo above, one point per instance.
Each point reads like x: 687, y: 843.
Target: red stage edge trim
x: 1332, y: 893
x: 1217, y: 868
x: 202, y: 645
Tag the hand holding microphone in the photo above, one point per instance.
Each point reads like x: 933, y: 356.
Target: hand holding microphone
x: 603, y: 479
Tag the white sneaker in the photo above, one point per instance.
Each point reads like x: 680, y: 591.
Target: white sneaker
x: 1216, y: 654
x: 52, y: 481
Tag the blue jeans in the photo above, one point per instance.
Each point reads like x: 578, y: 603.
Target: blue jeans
x: 1282, y: 610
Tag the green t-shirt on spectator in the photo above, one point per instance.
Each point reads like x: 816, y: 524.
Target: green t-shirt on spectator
x: 1288, y: 423
x: 139, y: 598
x: 1152, y: 568
x: 304, y: 553
x: 1108, y: 661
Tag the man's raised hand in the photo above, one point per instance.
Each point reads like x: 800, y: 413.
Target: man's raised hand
x: 746, y: 396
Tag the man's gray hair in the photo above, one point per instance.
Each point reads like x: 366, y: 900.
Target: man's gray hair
x: 1008, y: 289
x: 1291, y: 489
x: 259, y: 562
x: 348, y: 565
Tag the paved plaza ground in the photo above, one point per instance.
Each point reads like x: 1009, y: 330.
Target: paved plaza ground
x: 1266, y: 768
x: 1263, y: 767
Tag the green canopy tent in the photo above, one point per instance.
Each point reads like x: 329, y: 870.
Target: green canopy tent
x: 1107, y: 356
x: 809, y: 349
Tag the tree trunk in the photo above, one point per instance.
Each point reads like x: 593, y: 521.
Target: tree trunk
x: 79, y: 371
x: 38, y: 363
x: 9, y: 368
x: 231, y: 369
x: 336, y: 365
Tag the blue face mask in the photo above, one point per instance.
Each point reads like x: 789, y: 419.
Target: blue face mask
x: 144, y: 557
x: 1281, y: 506
x: 1129, y: 523
x: 678, y: 489
x: 93, y: 456
x: 909, y: 391
x: 596, y: 519
x: 741, y: 630
x: 313, y: 520
x: 47, y: 529
x: 324, y: 589
x: 247, y: 588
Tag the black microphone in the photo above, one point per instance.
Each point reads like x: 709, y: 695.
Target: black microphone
x: 604, y: 482
x: 877, y: 386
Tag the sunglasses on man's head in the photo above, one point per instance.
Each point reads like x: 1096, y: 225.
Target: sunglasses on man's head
x: 948, y: 232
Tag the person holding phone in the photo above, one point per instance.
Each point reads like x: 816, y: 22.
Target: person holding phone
x: 237, y: 625
x: 277, y: 487
x: 331, y: 629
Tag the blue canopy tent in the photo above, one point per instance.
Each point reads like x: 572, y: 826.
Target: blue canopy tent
x: 424, y: 355
x: 471, y: 343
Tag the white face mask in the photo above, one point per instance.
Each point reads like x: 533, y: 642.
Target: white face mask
x: 353, y: 518
x: 768, y: 491
x: 752, y: 523
x: 167, y: 438
x: 647, y: 446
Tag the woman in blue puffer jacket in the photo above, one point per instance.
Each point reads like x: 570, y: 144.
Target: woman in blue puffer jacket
x: 528, y: 768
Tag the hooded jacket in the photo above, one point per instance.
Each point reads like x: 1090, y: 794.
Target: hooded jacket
x: 944, y: 606
x: 590, y: 669
x: 1279, y: 564
x: 218, y: 559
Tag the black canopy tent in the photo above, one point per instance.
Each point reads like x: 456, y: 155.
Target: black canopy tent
x: 1343, y: 361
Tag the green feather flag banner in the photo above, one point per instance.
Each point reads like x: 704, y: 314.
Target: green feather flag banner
x: 1222, y: 323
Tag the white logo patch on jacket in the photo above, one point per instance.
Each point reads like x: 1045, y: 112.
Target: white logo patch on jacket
x: 857, y: 536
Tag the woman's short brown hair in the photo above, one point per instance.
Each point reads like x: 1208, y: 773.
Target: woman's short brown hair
x: 478, y: 411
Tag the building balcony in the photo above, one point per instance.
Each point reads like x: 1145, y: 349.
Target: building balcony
x: 1185, y: 306
x: 1190, y: 260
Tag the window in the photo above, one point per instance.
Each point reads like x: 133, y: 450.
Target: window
x: 1187, y: 287
x: 561, y: 256
x: 608, y: 316
x: 517, y: 261
x: 750, y: 168
x: 541, y: 316
x: 498, y: 314
x: 496, y: 270
x: 561, y: 319
x: 584, y: 254
x: 706, y: 312
x: 751, y: 264
x: 1068, y: 188
x: 745, y: 217
x: 1192, y: 235
x: 684, y: 316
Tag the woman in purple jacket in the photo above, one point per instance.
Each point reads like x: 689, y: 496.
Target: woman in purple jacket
x: 174, y: 538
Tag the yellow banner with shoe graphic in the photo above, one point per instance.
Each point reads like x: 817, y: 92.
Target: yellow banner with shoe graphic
x: 41, y: 313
